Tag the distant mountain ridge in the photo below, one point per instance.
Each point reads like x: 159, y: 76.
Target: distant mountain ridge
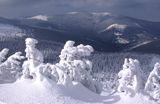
x: 104, y: 31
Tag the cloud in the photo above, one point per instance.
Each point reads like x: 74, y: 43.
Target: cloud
x: 146, y: 9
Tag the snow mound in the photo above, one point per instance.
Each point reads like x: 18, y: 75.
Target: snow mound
x: 47, y: 92
x: 40, y: 17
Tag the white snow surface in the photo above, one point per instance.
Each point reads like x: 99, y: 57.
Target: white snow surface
x: 47, y: 92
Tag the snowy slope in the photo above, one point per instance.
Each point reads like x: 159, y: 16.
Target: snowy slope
x: 44, y: 93
x: 28, y: 92
x: 118, y: 33
x: 119, y: 27
x: 7, y: 30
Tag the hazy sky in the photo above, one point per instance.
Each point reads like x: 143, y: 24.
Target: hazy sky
x: 145, y: 9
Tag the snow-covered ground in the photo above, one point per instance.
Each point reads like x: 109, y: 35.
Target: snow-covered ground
x: 46, y: 92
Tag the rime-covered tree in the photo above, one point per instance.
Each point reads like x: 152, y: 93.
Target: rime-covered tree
x: 34, y: 59
x: 152, y: 86
x: 3, y: 54
x: 49, y: 71
x: 130, y: 76
x: 10, y: 68
x: 75, y: 64
x: 33, y: 67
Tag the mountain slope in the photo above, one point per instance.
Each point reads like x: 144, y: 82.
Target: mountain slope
x: 104, y: 31
x: 111, y: 32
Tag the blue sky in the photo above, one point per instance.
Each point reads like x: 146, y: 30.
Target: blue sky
x: 144, y: 9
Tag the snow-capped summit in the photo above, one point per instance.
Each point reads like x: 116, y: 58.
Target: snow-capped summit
x: 119, y: 27
x: 40, y: 17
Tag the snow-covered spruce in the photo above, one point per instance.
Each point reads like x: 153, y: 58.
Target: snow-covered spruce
x: 3, y: 54
x: 34, y: 68
x: 152, y: 86
x: 130, y: 80
x: 34, y: 59
x: 76, y: 66
x: 10, y: 69
x: 73, y: 66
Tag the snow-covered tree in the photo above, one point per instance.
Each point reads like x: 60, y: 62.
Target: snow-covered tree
x: 10, y: 68
x: 14, y: 62
x: 74, y: 61
x: 78, y: 68
x: 130, y: 76
x: 34, y: 59
x: 3, y: 54
x: 73, y: 65
x: 49, y: 71
x: 152, y: 86
x: 33, y: 67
